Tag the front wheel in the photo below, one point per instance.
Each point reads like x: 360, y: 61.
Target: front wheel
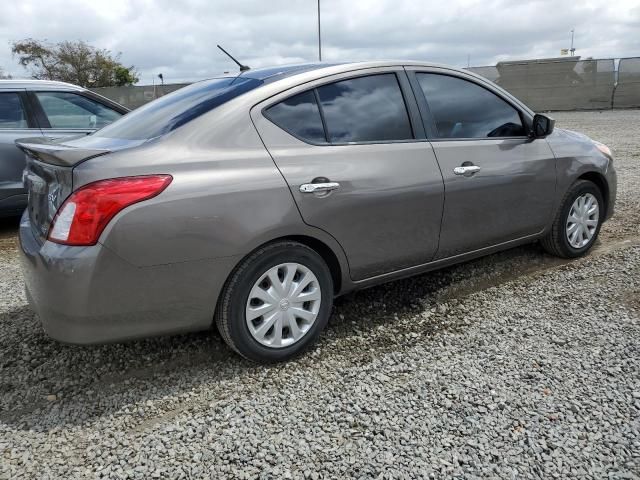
x: 577, y: 224
x: 276, y: 302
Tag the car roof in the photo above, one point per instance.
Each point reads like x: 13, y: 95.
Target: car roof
x: 278, y: 72
x: 270, y: 74
x: 30, y: 84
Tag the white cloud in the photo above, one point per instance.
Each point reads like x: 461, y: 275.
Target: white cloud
x: 179, y: 38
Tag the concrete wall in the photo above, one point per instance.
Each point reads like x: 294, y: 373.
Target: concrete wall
x: 565, y: 83
x: 136, y: 96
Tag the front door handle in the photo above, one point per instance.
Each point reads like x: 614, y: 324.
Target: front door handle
x: 466, y: 170
x: 318, y: 187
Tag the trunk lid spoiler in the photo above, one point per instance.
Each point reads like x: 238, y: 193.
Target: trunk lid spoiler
x: 53, y: 152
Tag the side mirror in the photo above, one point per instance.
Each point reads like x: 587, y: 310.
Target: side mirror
x: 542, y: 126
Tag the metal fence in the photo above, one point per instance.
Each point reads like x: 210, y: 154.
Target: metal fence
x: 136, y: 96
x: 565, y: 83
x: 627, y: 93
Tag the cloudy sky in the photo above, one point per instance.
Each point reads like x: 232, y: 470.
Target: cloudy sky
x: 179, y: 37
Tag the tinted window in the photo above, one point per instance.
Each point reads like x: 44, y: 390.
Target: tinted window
x: 300, y: 116
x: 12, y: 113
x: 462, y: 109
x: 177, y: 108
x: 70, y: 110
x: 365, y: 109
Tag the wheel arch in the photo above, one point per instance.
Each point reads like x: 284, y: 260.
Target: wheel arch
x: 338, y: 270
x: 600, y: 181
x: 327, y: 254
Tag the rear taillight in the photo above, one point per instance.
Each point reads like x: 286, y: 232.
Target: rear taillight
x: 85, y: 214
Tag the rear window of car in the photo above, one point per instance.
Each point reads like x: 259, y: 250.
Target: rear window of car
x: 167, y: 113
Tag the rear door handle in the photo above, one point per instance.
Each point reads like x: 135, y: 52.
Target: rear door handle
x: 466, y: 170
x: 318, y: 187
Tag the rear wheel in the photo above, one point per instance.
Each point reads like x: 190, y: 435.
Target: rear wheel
x: 576, y: 227
x: 276, y: 302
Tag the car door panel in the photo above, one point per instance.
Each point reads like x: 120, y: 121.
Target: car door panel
x: 386, y: 212
x: 510, y: 192
x: 510, y: 197
x: 387, y: 208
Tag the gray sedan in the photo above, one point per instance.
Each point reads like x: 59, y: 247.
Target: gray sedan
x: 47, y: 109
x: 251, y: 201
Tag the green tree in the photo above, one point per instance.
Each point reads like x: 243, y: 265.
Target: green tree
x: 125, y: 76
x: 73, y: 62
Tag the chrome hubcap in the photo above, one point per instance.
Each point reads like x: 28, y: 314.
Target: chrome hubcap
x: 283, y: 305
x: 583, y: 220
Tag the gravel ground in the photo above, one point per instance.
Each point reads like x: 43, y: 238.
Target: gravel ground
x: 518, y: 365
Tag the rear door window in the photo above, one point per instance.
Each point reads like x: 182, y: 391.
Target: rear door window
x: 365, y: 109
x: 12, y: 111
x: 66, y: 110
x: 300, y: 116
x: 463, y: 109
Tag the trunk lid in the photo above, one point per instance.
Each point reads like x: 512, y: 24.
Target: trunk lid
x: 48, y: 177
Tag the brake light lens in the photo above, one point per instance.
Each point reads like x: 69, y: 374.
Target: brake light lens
x: 85, y: 214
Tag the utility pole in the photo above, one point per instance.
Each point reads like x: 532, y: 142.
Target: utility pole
x: 319, y: 38
x: 572, y: 50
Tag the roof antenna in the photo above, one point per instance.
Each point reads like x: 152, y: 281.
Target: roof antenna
x: 243, y: 68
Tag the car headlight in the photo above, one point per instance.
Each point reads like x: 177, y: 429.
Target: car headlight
x: 604, y: 149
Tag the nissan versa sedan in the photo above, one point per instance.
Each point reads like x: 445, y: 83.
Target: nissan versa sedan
x: 47, y: 109
x: 251, y: 201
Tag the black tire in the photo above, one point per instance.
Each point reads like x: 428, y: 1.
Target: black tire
x: 556, y: 241
x: 230, y: 313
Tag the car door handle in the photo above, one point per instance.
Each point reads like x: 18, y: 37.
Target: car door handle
x: 318, y: 187
x: 466, y: 170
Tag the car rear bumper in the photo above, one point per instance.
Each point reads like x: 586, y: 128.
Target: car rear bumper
x: 91, y: 295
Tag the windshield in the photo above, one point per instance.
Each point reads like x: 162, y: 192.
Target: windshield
x: 177, y: 108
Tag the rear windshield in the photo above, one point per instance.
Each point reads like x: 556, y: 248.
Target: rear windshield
x: 177, y: 108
